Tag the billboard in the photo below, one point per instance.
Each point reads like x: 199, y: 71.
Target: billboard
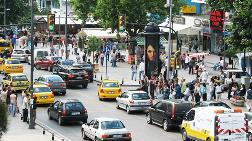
x: 198, y: 1
x: 152, y: 59
x: 217, y: 20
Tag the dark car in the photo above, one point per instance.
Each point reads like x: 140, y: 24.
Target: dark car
x: 211, y: 103
x: 88, y: 68
x: 55, y: 82
x: 69, y: 110
x: 168, y: 113
x: 73, y: 76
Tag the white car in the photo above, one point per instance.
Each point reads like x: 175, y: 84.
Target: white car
x: 105, y: 129
x: 134, y: 101
x: 21, y: 54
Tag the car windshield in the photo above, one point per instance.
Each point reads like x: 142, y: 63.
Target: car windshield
x: 110, y: 84
x: 76, y: 70
x: 55, y: 79
x: 19, y: 78
x: 183, y: 108
x: 42, y: 53
x: 106, y: 125
x: 220, y: 104
x: 67, y: 62
x: 13, y: 62
x: 18, y: 52
x: 74, y: 106
x: 56, y: 58
x: 140, y: 96
x: 41, y: 89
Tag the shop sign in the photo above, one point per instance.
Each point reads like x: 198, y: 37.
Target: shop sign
x: 179, y: 20
x: 188, y: 9
x: 201, y: 22
x: 217, y: 20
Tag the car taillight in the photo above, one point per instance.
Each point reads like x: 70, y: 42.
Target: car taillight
x: 34, y: 96
x: 63, y: 85
x: 131, y: 101
x: 64, y: 113
x: 85, y: 75
x: 85, y: 110
x: 52, y: 95
x: 7, y: 67
x: 102, y: 91
x: 128, y: 135
x: 119, y: 90
x: 217, y: 126
x: 49, y: 85
x: 20, y: 66
x: 246, y: 122
x: 104, y: 136
x: 70, y: 76
x: 173, y: 110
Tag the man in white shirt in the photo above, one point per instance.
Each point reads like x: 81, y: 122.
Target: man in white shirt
x: 187, y: 60
x: 13, y: 103
x: 141, y: 70
x: 204, y: 76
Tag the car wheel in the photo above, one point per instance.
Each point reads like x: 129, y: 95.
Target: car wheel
x: 208, y: 139
x: 165, y: 125
x: 83, y: 134
x: 49, y: 68
x: 49, y: 115
x: 95, y: 139
x: 117, y: 105
x: 149, y: 120
x: 84, y: 121
x: 84, y: 86
x: 184, y: 135
x: 60, y: 121
x: 128, y: 110
x: 37, y: 67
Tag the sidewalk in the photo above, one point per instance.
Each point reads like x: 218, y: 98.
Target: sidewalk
x: 18, y: 131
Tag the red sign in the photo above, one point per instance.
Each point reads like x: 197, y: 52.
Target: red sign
x: 217, y: 20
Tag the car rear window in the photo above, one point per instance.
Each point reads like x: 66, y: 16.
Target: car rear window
x: 77, y: 71
x: 41, y: 89
x: 220, y: 104
x: 18, y: 52
x: 56, y: 58
x: 13, y: 62
x: 106, y: 125
x: 183, y: 107
x: 74, y: 106
x: 55, y: 79
x: 110, y: 84
x: 140, y: 96
x: 19, y: 78
x: 67, y: 62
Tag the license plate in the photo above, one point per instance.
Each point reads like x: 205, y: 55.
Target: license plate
x: 43, y: 97
x: 111, y: 92
x: 142, y: 103
x: 79, y: 78
x: 15, y: 67
x: 75, y: 113
x: 56, y: 90
x: 117, y: 136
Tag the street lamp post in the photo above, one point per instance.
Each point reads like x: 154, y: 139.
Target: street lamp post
x: 66, y: 32
x: 59, y: 31
x: 4, y: 18
x: 32, y: 109
x: 168, y: 54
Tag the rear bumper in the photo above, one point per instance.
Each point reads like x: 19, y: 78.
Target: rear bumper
x: 19, y: 58
x: 74, y: 118
x: 139, y: 107
x: 113, y: 96
x: 14, y: 71
x: 77, y: 82
x: 20, y: 88
x: 45, y: 101
x: 59, y: 90
x: 116, y: 139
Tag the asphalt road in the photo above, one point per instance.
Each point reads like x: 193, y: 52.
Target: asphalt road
x: 135, y: 122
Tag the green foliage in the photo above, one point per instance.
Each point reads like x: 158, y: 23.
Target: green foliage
x: 241, y: 27
x: 94, y: 43
x: 3, y: 118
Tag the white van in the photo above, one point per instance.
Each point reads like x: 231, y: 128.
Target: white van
x: 39, y: 54
x: 215, y: 124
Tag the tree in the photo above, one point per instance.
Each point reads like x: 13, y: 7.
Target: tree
x: 94, y: 44
x: 241, y: 27
x: 3, y: 118
x: 83, y: 8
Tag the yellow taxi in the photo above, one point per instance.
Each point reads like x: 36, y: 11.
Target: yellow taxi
x: 109, y: 89
x: 43, y: 94
x: 11, y: 66
x: 18, y: 81
x: 4, y: 44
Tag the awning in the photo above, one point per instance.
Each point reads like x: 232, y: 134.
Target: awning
x: 101, y: 33
x: 190, y: 31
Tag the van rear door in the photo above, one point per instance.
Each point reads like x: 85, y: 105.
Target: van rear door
x: 231, y: 127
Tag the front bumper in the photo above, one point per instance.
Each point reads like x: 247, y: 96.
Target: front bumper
x: 23, y: 59
x: 14, y: 71
x: 109, y: 96
x: 19, y: 88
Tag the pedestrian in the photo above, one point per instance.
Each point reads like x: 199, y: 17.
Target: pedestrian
x: 25, y: 106
x: 84, y: 57
x: 212, y: 88
x: 248, y: 98
x: 203, y: 92
x: 141, y: 70
x: 187, y: 93
x: 134, y: 71
x: 102, y: 58
x: 183, y: 85
x: 234, y: 89
x: 166, y: 91
x: 145, y: 84
x: 218, y: 91
x: 3, y: 97
x: 182, y: 58
x: 221, y: 62
x: 195, y: 44
x: 13, y: 103
x: 204, y: 76
x: 152, y: 87
x: 242, y: 91
x: 191, y: 65
x: 178, y: 94
x: 89, y: 62
x: 113, y: 59
x: 197, y: 92
x: 43, y: 41
x: 62, y: 51
x: 78, y: 57
x: 187, y: 60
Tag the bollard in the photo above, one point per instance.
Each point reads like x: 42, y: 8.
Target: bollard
x: 52, y: 136
x: 95, y: 76
x: 101, y: 77
x: 122, y: 80
x: 43, y: 131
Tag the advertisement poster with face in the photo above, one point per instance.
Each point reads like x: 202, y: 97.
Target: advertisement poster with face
x: 152, y: 60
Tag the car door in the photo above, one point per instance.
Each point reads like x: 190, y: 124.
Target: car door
x: 120, y: 100
x: 154, y: 111
x: 190, y: 123
x: 54, y: 110
x: 88, y: 128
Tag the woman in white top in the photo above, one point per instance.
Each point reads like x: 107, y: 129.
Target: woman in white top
x: 197, y: 92
x: 218, y: 91
x: 187, y: 93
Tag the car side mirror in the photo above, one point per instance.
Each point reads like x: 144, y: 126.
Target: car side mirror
x: 36, y: 79
x: 185, y: 117
x: 98, y: 84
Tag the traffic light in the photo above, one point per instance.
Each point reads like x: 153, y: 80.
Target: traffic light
x: 122, y: 23
x: 51, y: 21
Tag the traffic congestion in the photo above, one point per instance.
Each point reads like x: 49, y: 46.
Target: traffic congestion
x: 204, y: 120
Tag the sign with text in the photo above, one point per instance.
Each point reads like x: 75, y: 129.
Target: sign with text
x: 217, y: 20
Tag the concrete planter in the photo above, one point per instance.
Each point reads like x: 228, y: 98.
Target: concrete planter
x: 237, y: 102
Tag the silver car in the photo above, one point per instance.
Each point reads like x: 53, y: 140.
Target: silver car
x: 21, y: 54
x: 55, y: 82
x: 134, y: 101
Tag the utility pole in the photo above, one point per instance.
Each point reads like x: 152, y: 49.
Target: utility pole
x: 32, y: 110
x: 168, y: 54
x: 59, y: 31
x: 4, y: 18
x: 66, y: 32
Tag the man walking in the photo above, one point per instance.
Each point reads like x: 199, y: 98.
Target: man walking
x: 141, y: 70
x: 134, y: 71
x: 248, y: 98
x: 13, y: 103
